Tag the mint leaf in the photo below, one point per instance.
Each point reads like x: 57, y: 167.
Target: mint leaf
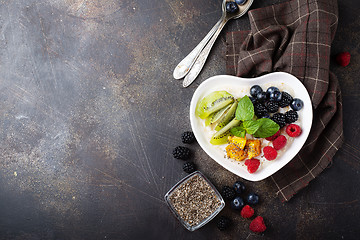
x: 238, y: 131
x: 245, y: 109
x: 251, y: 126
x: 267, y: 128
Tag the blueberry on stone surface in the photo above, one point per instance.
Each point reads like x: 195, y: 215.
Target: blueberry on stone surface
x: 252, y: 198
x: 239, y: 187
x: 231, y: 7
x: 240, y: 2
x: 255, y: 90
x: 297, y: 104
x: 237, y: 203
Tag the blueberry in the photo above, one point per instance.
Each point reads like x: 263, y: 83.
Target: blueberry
x: 273, y: 94
x: 239, y: 187
x: 237, y: 203
x: 297, y: 104
x: 231, y: 7
x: 261, y: 97
x: 255, y: 90
x: 252, y: 198
x: 240, y: 2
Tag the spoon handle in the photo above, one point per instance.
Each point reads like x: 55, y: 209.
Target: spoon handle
x: 185, y: 65
x: 200, y: 61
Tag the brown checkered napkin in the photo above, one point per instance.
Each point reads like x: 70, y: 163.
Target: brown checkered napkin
x: 295, y: 37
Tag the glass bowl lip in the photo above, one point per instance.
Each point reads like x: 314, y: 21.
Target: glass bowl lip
x: 206, y: 220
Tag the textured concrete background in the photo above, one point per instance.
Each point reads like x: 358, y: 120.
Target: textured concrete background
x: 90, y: 113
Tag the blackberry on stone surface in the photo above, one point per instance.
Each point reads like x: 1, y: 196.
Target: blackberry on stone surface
x: 260, y: 110
x: 188, y: 137
x: 189, y: 167
x: 291, y: 116
x: 272, y: 106
x: 223, y: 223
x: 181, y: 152
x: 286, y: 99
x: 228, y: 193
x: 279, y: 118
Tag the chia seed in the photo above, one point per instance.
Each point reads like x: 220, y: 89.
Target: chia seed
x: 194, y: 200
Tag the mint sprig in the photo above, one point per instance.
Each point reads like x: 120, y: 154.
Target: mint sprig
x: 245, y: 109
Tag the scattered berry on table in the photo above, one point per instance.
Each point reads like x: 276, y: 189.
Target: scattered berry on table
x: 270, y: 153
x: 252, y: 165
x: 293, y: 130
x: 279, y: 118
x: 181, y: 152
x: 231, y: 7
x: 291, y: 116
x: 272, y: 138
x: 255, y: 90
x: 240, y: 2
x: 272, y: 106
x: 239, y: 187
x: 228, y: 192
x: 247, y: 211
x: 188, y: 137
x: 237, y: 203
x: 257, y: 225
x: 260, y: 110
x: 297, y: 104
x: 286, y: 99
x: 261, y: 97
x: 279, y: 142
x: 189, y: 167
x: 252, y: 198
x: 273, y: 94
x: 343, y: 59
x: 223, y: 223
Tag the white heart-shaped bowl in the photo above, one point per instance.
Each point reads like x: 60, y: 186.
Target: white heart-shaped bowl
x: 239, y: 87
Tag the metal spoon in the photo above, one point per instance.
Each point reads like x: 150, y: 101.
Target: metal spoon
x: 202, y: 56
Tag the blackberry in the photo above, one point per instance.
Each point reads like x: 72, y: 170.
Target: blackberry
x: 188, y: 137
x: 189, y: 167
x: 272, y: 106
x: 291, y: 116
x: 286, y: 99
x: 260, y: 110
x: 228, y: 192
x: 223, y: 223
x: 181, y: 152
x: 279, y: 118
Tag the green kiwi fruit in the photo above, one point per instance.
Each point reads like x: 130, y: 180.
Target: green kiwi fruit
x: 227, y: 117
x: 212, y: 103
x: 219, y: 114
x: 221, y: 137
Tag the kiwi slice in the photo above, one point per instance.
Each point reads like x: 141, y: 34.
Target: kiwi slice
x: 227, y: 117
x: 221, y: 136
x: 219, y: 114
x: 212, y: 103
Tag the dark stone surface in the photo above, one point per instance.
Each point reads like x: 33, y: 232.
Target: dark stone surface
x: 90, y: 114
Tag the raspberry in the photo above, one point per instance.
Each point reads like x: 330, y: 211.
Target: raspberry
x: 279, y: 142
x: 188, y: 137
x: 272, y: 138
x: 247, y: 211
x: 270, y: 153
x: 293, y: 130
x: 257, y: 225
x: 252, y: 165
x: 343, y: 59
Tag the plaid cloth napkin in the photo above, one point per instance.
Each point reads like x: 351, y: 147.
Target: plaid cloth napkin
x: 295, y: 37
